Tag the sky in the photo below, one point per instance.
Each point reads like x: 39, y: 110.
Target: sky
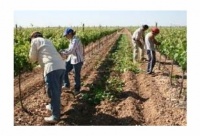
x: 94, y: 18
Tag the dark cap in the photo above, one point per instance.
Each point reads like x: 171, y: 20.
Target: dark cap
x: 145, y: 26
x: 68, y: 31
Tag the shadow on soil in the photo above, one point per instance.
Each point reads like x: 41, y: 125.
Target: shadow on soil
x: 174, y: 76
x: 132, y: 94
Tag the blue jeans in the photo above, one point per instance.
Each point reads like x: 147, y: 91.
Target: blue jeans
x: 53, y: 82
x: 151, y: 60
x: 77, y: 71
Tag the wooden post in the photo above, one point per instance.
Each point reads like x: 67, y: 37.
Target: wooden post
x: 16, y: 29
x: 100, y: 37
x: 171, y: 74
x: 182, y: 80
x: 159, y: 62
x: 83, y: 27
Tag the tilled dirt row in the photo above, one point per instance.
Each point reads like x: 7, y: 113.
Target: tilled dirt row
x: 164, y: 106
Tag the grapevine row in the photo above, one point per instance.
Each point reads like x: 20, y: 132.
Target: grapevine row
x: 22, y: 44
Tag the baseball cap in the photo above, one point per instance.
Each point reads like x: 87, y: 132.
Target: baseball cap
x: 67, y: 31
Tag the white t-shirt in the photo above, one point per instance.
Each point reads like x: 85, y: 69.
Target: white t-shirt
x: 44, y: 52
x: 150, y: 45
x: 138, y: 34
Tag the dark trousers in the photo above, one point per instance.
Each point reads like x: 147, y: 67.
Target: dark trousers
x: 53, y: 82
x: 77, y: 71
x: 151, y: 60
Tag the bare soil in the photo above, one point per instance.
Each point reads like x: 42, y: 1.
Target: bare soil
x: 146, y: 100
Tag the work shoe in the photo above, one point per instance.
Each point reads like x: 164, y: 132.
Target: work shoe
x: 48, y: 107
x: 149, y: 72
x: 152, y: 73
x: 51, y: 119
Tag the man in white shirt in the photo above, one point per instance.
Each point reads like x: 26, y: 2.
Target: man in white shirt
x: 138, y: 43
x: 150, y: 43
x: 44, y: 52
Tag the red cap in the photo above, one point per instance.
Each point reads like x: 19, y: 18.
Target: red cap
x: 155, y: 30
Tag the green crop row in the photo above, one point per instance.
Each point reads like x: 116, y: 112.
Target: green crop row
x: 123, y: 56
x: 110, y: 84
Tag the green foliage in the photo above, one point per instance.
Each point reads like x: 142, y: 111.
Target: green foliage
x: 123, y: 56
x: 96, y: 95
x: 91, y: 35
x: 174, y: 45
x: 114, y: 84
x: 21, y: 62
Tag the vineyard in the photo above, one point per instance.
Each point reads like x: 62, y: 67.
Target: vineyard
x: 22, y: 45
x: 114, y: 91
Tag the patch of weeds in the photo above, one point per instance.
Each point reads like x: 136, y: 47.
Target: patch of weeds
x: 97, y: 95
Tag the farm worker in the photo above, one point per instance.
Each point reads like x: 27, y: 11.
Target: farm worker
x: 150, y: 43
x: 43, y: 51
x: 138, y: 43
x: 74, y: 60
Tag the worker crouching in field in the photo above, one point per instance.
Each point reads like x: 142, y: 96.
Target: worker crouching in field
x: 138, y: 43
x: 74, y: 60
x: 150, y: 43
x: 44, y: 52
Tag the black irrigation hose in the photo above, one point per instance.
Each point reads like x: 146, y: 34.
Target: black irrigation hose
x: 22, y: 106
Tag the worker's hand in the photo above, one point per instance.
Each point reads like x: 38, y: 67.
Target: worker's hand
x: 63, y: 54
x: 61, y: 51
